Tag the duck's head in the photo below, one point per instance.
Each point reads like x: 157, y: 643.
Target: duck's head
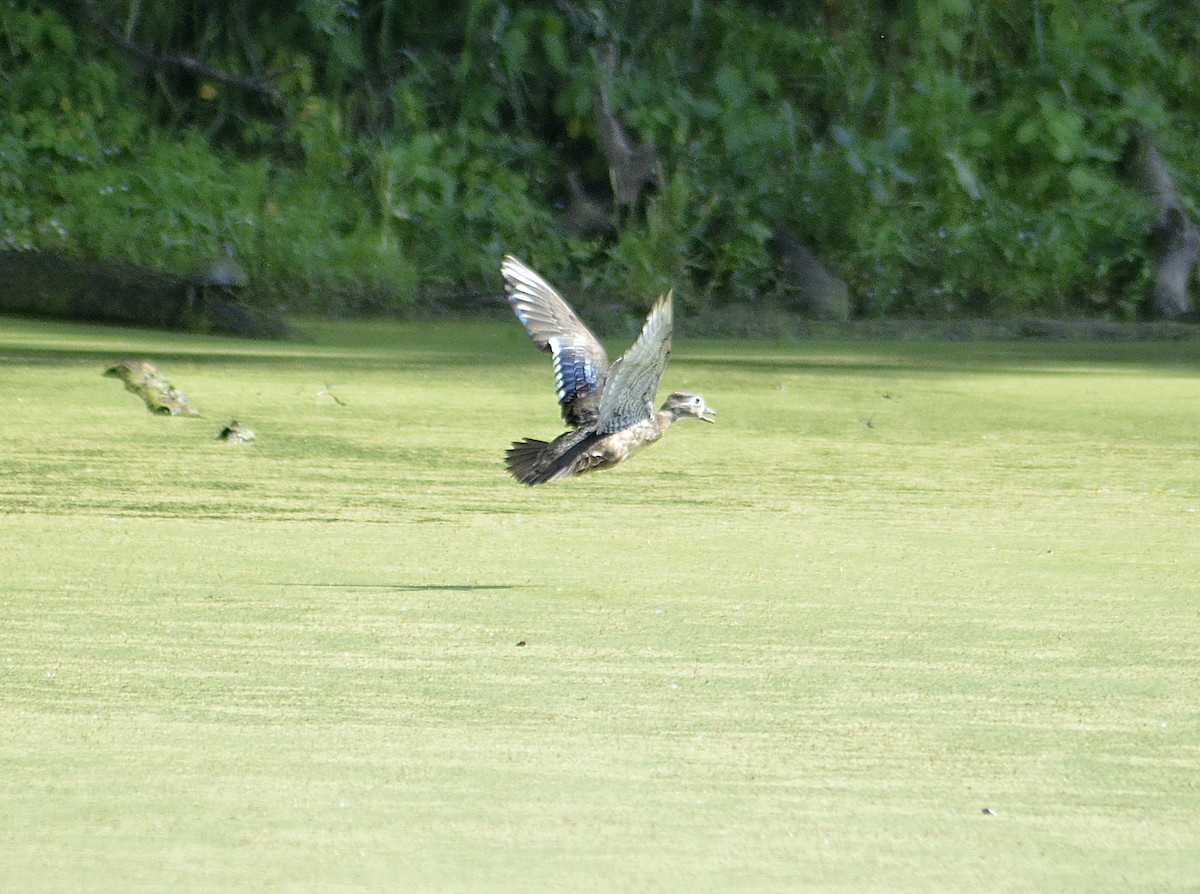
x: 684, y: 403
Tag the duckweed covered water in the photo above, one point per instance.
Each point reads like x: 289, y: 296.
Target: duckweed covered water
x: 912, y: 617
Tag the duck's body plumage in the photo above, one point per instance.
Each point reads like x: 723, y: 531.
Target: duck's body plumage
x: 611, y: 409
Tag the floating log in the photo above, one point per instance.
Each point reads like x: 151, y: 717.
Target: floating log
x: 143, y: 379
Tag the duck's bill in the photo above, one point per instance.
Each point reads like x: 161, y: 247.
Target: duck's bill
x: 708, y: 414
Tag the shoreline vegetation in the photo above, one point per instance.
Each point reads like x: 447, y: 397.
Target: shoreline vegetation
x: 43, y: 285
x: 865, y: 160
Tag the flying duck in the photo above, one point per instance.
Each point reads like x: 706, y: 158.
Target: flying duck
x: 610, y: 409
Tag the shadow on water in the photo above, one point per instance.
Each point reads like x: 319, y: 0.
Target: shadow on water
x: 493, y: 346
x: 865, y: 357
x: 358, y: 345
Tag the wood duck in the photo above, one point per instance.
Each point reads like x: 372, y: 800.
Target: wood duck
x: 611, y: 409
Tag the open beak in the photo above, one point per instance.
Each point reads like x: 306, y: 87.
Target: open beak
x: 707, y: 413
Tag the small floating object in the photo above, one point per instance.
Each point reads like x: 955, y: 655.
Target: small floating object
x: 143, y: 379
x: 327, y: 391
x: 236, y: 433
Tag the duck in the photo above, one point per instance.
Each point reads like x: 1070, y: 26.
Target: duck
x: 609, y: 409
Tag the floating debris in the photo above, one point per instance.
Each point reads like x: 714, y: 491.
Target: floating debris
x: 236, y: 433
x: 143, y: 379
x: 327, y: 391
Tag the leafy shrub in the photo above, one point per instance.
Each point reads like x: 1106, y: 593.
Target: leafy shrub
x: 943, y: 158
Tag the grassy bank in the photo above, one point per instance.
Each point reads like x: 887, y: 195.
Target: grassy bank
x: 913, y: 617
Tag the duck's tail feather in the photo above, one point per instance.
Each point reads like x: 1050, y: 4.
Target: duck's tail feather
x: 536, y: 462
x: 527, y: 461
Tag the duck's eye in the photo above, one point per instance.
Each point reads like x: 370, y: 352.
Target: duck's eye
x: 696, y: 401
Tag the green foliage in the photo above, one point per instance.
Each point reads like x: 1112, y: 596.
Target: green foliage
x: 943, y: 157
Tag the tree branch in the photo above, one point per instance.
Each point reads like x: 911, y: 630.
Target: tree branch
x: 166, y: 61
x: 1177, y: 234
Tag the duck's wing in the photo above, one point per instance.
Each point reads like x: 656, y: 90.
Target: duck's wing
x: 580, y: 362
x: 628, y: 395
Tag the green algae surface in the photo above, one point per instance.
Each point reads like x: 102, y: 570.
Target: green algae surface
x: 911, y: 617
